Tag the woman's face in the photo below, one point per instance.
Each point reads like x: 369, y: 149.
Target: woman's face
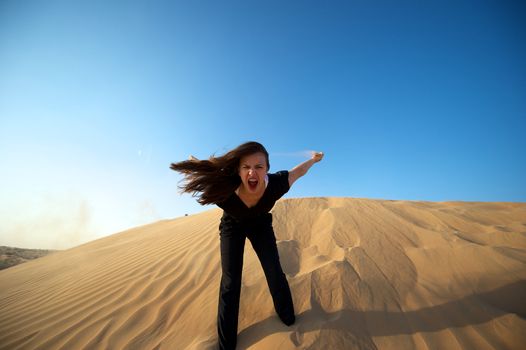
x: 252, y: 170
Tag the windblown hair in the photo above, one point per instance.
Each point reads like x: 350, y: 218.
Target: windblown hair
x: 214, y: 180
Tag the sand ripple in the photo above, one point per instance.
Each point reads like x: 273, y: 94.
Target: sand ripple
x: 364, y: 274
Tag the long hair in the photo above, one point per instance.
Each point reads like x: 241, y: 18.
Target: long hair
x: 214, y: 180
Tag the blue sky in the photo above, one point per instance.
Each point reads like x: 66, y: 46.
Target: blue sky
x: 414, y: 100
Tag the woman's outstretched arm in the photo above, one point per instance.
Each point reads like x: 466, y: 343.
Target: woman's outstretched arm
x: 301, y: 169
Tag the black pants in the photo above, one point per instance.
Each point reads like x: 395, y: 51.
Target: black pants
x: 263, y: 241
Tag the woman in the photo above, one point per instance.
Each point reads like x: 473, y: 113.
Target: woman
x: 239, y: 183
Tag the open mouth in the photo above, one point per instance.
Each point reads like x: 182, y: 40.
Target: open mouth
x: 252, y: 184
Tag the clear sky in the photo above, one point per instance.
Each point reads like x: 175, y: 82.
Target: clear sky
x: 409, y: 100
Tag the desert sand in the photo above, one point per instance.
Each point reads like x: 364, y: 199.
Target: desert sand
x: 364, y: 274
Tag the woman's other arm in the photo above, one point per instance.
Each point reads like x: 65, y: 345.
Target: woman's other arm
x: 301, y: 169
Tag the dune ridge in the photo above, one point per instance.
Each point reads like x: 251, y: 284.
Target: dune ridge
x: 364, y: 274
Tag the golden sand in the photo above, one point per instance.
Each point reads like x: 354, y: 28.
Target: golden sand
x: 364, y: 274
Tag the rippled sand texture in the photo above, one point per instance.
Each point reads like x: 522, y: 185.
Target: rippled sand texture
x: 364, y: 274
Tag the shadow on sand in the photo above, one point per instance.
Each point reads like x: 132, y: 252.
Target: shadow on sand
x: 470, y: 310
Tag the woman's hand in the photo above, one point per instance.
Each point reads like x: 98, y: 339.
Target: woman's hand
x: 317, y: 156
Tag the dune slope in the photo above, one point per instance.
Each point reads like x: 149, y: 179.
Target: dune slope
x: 364, y: 274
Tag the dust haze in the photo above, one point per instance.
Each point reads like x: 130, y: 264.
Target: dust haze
x: 63, y: 221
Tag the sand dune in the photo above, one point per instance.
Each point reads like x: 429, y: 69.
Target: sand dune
x: 364, y: 274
